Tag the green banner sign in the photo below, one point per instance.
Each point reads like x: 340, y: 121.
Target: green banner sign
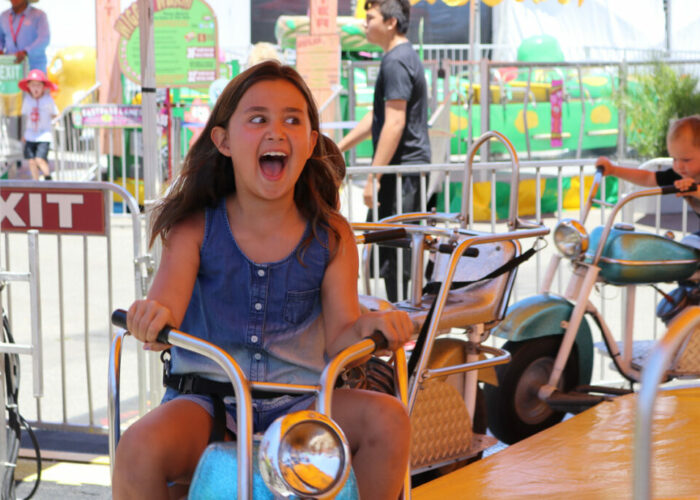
x: 185, y: 36
x: 10, y: 75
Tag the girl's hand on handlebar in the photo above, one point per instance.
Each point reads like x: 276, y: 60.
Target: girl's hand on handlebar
x: 396, y: 326
x: 145, y: 319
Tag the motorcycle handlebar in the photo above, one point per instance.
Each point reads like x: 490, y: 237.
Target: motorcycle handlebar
x: 119, y: 319
x: 379, y: 340
x: 384, y: 235
x: 673, y: 189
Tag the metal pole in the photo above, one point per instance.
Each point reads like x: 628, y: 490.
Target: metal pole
x: 151, y: 173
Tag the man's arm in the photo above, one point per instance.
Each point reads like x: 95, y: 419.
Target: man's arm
x: 390, y: 135
x: 2, y: 34
x: 361, y: 132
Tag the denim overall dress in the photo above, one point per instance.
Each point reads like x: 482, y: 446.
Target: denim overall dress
x: 266, y: 316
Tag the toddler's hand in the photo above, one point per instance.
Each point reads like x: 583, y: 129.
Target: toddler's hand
x: 396, y: 326
x: 145, y: 319
x: 685, y: 184
x: 607, y: 165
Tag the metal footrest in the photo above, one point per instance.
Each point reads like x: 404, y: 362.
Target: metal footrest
x: 479, y: 443
x: 604, y: 389
x: 574, y: 402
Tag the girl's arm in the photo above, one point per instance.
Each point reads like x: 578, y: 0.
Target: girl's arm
x: 343, y: 323
x: 172, y: 286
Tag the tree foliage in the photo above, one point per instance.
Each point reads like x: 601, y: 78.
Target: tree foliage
x: 652, y: 99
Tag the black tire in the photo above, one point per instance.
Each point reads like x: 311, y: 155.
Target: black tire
x: 514, y: 408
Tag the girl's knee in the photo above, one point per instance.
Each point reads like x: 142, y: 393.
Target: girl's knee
x: 393, y: 415
x: 136, y: 445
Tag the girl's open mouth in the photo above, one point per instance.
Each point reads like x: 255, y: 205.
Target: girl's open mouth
x: 272, y: 164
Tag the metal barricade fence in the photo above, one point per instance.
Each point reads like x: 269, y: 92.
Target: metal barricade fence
x: 91, y: 262
x: 84, y: 276
x: 76, y: 151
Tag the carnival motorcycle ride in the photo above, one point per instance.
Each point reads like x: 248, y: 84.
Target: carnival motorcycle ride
x: 549, y: 335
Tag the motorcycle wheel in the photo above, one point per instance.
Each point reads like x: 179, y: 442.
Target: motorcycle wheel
x: 514, y: 409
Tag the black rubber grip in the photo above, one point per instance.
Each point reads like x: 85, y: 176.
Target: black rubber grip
x: 384, y: 235
x: 379, y: 340
x: 673, y: 189
x: 119, y: 319
x: 469, y: 252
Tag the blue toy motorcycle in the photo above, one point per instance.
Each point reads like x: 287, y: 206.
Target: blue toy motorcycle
x: 549, y: 335
x: 301, y: 455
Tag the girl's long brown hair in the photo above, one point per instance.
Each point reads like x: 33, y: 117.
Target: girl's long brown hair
x: 207, y: 175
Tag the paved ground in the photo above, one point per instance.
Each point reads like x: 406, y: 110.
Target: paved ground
x: 73, y: 466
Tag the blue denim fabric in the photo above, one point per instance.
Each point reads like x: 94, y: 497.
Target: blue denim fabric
x: 265, y: 411
x: 267, y: 316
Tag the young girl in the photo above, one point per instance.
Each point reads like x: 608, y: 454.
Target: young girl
x: 258, y: 260
x: 38, y: 109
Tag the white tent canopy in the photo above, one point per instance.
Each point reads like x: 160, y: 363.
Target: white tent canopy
x: 685, y: 26
x: 632, y: 25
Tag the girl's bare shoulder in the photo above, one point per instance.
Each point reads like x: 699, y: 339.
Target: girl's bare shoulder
x: 188, y: 231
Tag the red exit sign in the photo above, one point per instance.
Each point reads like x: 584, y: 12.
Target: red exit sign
x: 59, y: 210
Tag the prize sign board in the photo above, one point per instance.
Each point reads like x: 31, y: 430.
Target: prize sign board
x: 10, y: 94
x: 185, y: 38
x: 57, y: 210
x: 107, y: 116
x: 10, y: 75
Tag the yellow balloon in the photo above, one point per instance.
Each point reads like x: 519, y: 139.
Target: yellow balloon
x: 455, y: 3
x: 491, y: 3
x: 73, y: 70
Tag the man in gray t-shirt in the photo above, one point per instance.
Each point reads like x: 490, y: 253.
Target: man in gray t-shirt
x: 398, y: 122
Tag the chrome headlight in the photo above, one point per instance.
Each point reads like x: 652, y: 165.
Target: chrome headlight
x: 570, y: 238
x: 304, y: 454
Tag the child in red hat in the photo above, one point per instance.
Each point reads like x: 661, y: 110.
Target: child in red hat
x: 38, y: 109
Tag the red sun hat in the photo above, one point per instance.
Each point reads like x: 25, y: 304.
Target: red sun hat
x: 39, y: 76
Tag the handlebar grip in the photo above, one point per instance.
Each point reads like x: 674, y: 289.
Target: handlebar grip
x: 673, y: 189
x: 469, y: 252
x: 119, y: 319
x: 384, y: 235
x: 379, y: 340
x: 600, y: 168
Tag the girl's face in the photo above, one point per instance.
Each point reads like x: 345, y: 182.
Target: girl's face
x: 268, y: 138
x: 36, y: 88
x: 686, y: 155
